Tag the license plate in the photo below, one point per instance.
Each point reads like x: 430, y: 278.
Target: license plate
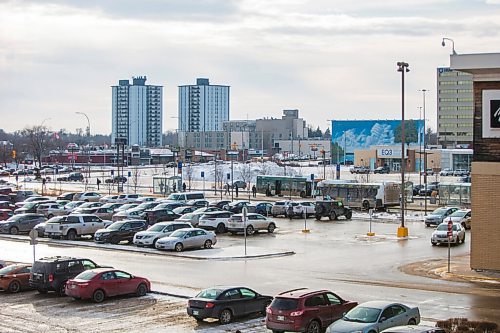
x: 73, y: 286
x: 281, y: 318
x: 196, y: 312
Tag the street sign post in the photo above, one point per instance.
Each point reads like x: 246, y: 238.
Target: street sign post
x: 245, y: 214
x: 33, y: 241
x: 450, y: 236
x: 203, y: 177
x: 370, y: 233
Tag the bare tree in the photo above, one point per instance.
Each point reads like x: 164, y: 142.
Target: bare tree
x: 265, y: 168
x: 245, y: 173
x: 189, y: 175
x: 38, y: 138
x: 135, y: 177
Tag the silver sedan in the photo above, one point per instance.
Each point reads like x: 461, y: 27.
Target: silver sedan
x: 187, y: 238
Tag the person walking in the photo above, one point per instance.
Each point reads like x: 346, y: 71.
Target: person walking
x: 226, y: 187
x: 174, y: 187
x: 184, y: 187
x: 236, y: 189
x: 254, y: 191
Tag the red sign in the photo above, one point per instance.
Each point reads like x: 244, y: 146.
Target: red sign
x: 450, y: 225
x: 450, y: 234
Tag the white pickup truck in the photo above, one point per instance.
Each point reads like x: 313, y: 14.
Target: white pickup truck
x: 74, y: 226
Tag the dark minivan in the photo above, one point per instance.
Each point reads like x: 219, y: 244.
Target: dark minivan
x: 52, y: 273
x: 120, y: 231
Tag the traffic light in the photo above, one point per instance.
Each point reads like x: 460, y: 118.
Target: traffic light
x: 14, y: 154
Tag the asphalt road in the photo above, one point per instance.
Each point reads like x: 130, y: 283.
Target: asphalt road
x: 334, y: 255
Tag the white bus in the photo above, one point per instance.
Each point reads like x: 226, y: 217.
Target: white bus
x: 362, y: 195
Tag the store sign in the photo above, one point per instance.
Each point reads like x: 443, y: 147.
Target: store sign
x: 389, y: 153
x: 491, y: 114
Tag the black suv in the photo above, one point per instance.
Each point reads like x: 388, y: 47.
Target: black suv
x: 52, y: 273
x: 159, y: 215
x: 120, y: 231
x: 331, y: 209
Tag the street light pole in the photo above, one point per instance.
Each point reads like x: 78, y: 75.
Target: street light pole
x: 420, y: 151
x: 425, y: 155
x: 403, y: 68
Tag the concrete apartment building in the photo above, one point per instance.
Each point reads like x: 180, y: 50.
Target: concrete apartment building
x: 485, y: 173
x: 454, y: 108
x: 137, y: 112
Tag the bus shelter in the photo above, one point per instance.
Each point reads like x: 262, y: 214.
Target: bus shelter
x: 165, y: 185
x: 455, y: 194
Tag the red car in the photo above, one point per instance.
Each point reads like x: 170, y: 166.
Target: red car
x: 7, y: 205
x: 5, y: 214
x: 15, y: 278
x: 305, y: 310
x: 97, y: 284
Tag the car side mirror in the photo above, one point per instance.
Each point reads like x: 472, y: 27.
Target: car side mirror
x: 382, y: 320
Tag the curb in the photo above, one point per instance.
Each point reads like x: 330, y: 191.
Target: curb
x: 169, y: 294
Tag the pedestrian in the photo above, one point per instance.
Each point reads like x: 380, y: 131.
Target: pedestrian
x: 174, y: 187
x: 268, y: 190
x: 98, y: 183
x: 236, y: 189
x: 289, y: 211
x: 254, y: 191
x: 184, y: 187
x: 226, y: 188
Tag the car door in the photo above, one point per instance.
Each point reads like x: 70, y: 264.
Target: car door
x: 25, y: 223
x: 233, y: 298
x: 189, y: 240
x: 124, y: 283
x: 386, y: 319
x: 108, y: 283
x: 251, y: 302
x: 337, y: 307
x: 125, y: 230
x: 317, y: 306
x: 399, y: 315
x: 23, y: 274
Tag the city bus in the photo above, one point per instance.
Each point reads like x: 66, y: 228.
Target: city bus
x: 364, y: 195
x: 285, y: 185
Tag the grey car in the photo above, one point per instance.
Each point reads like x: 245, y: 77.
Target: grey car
x: 279, y: 208
x: 187, y: 238
x: 438, y: 216
x: 21, y: 223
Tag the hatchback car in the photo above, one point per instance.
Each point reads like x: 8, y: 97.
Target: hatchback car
x: 15, y: 278
x: 304, y: 209
x: 191, y: 218
x: 187, y: 238
x: 279, y: 208
x: 226, y: 303
x: 150, y: 237
x: 462, y: 216
x: 49, y: 210
x: 305, y: 310
x: 120, y: 231
x: 21, y: 223
x: 89, y: 196
x: 215, y: 221
x: 438, y: 215
x: 440, y: 235
x: 219, y: 203
x: 98, y: 284
x: 254, y: 223
x: 236, y: 207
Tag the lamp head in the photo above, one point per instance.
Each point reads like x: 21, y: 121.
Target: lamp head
x: 443, y: 43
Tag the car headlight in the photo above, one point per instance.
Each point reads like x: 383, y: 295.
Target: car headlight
x: 104, y: 234
x: 356, y: 332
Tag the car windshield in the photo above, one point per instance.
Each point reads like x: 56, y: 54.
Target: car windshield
x: 144, y: 205
x: 8, y: 269
x: 444, y: 227
x: 175, y: 197
x: 157, y: 227
x: 440, y: 211
x: 72, y: 204
x: 179, y: 210
x: 14, y: 218
x: 459, y: 213
x: 179, y: 233
x: 29, y: 205
x: 116, y: 226
x: 188, y: 216
x: 285, y: 304
x: 362, y: 314
x: 56, y: 219
x: 128, y: 206
x: 211, y: 293
x: 86, y: 275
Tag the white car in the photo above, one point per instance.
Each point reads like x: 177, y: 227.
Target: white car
x: 192, y: 218
x: 304, y: 208
x: 255, y: 222
x: 462, y: 216
x: 187, y: 238
x: 128, y: 198
x: 440, y: 235
x: 157, y: 231
x: 129, y: 214
x: 86, y: 205
x: 215, y: 221
x: 109, y: 198
x: 89, y: 197
x: 73, y: 205
x: 141, y: 200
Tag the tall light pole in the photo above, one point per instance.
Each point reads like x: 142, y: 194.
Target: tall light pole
x: 425, y: 154
x: 403, y: 67
x: 420, y: 152
x: 88, y: 123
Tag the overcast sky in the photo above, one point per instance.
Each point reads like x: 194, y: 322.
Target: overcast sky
x: 331, y: 59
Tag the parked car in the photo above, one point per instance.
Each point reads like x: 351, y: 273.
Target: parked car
x: 219, y: 203
x: 66, y: 196
x: 382, y: 169
x: 438, y: 215
x: 206, y: 210
x: 15, y: 278
x: 22, y: 195
x: 191, y: 218
x: 7, y: 205
x: 157, y: 231
x: 169, y: 205
x: 72, y: 177
x: 430, y: 188
x: 128, y: 198
x: 184, y: 210
x: 428, y: 172
x: 461, y: 172
x: 255, y: 222
x: 49, y: 210
x: 52, y: 273
x: 112, y: 205
x: 36, y: 198
x: 30, y: 207
x: 197, y: 203
x: 40, y: 227
x: 304, y: 209
x: 305, y: 310
x: 116, y: 180
x: 109, y: 198
x: 158, y: 215
x: 263, y: 208
x: 279, y: 208
x: 21, y: 223
x: 75, y: 225
x: 375, y: 316
x: 98, y: 284
x: 446, y: 172
x: 129, y: 214
x: 86, y: 205
x: 5, y: 214
x: 187, y: 238
x: 239, y: 184
x: 120, y: 231
x: 226, y: 303
x: 73, y: 205
x: 88, y: 197
x: 215, y: 221
x: 102, y: 212
x: 236, y: 207
x: 462, y: 216
x: 125, y: 206
x: 440, y: 235
x: 186, y: 196
x: 414, y: 329
x: 359, y: 169
x: 141, y: 200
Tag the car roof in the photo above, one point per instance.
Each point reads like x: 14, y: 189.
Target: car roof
x: 59, y: 258
x: 377, y: 304
x: 301, y: 292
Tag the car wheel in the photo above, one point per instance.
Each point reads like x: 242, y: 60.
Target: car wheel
x: 142, y: 290
x: 271, y: 227
x: 14, y: 287
x: 13, y: 231
x: 463, y: 240
x: 225, y: 317
x: 348, y: 215
x: 366, y: 205
x: 178, y: 247
x: 41, y: 291
x: 273, y: 215
x: 433, y: 243
x: 115, y: 240
x: 250, y: 230
x: 77, y: 298
x: 98, y: 296
x: 220, y: 228
x: 427, y: 225
x: 412, y: 322
x: 62, y: 289
x: 198, y: 319
x: 275, y: 331
x: 333, y: 216
x: 50, y: 216
x: 208, y: 244
x: 154, y: 242
x: 71, y: 235
x: 313, y: 327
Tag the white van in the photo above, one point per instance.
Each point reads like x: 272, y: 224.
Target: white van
x: 186, y: 196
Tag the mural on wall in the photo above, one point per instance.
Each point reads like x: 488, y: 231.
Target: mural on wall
x: 361, y: 134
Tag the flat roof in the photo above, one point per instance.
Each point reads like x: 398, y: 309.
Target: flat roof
x: 479, y: 63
